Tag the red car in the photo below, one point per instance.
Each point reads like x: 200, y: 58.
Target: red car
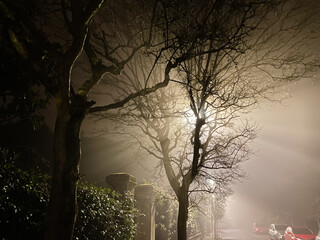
x: 298, y: 233
x: 259, y: 228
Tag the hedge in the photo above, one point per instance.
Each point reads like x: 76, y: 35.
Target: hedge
x: 103, y: 214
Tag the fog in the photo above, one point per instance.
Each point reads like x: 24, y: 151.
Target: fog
x: 283, y: 179
x: 284, y: 175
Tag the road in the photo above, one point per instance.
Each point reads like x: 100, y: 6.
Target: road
x: 239, y: 234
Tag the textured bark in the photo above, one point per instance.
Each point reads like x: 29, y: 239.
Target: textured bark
x: 183, y: 213
x: 62, y: 209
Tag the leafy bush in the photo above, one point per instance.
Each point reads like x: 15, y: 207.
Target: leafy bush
x: 103, y: 214
x: 166, y: 216
x: 23, y: 199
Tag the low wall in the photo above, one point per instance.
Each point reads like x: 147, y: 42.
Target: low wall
x: 144, y: 196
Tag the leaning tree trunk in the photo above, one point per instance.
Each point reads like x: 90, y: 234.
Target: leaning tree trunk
x: 62, y: 210
x: 182, y: 214
x: 215, y: 228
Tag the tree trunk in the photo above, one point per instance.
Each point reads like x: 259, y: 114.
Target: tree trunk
x: 62, y: 210
x: 183, y: 214
x: 215, y: 230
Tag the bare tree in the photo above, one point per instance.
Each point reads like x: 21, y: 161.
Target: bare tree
x: 218, y: 211
x: 250, y: 50
x: 62, y: 40
x: 174, y: 141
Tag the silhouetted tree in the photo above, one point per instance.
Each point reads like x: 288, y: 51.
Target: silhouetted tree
x: 57, y: 38
x: 171, y: 128
x: 72, y: 45
x: 247, y: 50
x: 218, y: 211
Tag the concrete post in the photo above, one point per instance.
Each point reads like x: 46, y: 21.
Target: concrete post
x: 121, y: 182
x: 144, y: 197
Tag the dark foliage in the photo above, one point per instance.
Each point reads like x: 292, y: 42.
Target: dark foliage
x: 21, y: 97
x: 104, y: 214
x: 23, y: 199
x: 166, y: 216
x: 24, y: 195
x: 35, y: 145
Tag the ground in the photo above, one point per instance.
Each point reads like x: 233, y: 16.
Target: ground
x: 239, y: 234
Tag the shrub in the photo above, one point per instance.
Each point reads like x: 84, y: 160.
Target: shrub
x: 23, y: 199
x: 24, y: 195
x: 104, y: 214
x: 166, y: 215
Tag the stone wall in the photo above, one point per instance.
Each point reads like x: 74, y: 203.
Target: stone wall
x: 144, y: 196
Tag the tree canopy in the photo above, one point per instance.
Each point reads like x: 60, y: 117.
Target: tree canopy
x: 71, y: 46
x: 196, y: 126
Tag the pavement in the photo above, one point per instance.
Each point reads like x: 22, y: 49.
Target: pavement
x: 238, y: 234
x: 208, y: 238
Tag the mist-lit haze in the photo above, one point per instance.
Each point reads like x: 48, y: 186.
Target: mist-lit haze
x: 284, y: 176
x: 212, y: 107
